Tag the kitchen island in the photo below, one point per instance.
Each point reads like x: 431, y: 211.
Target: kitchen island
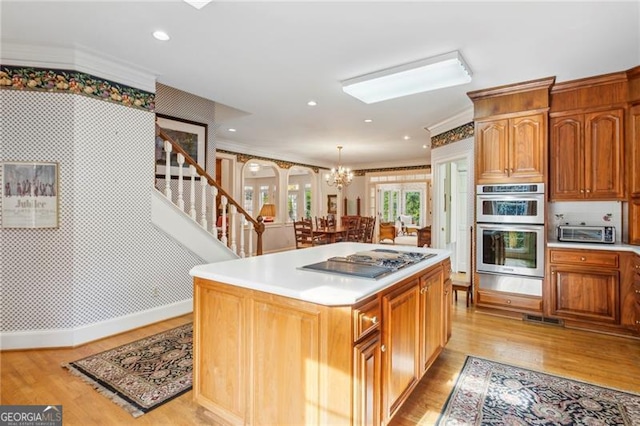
x: 278, y: 344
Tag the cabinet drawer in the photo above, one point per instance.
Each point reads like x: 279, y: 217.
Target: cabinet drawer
x: 510, y: 301
x: 366, y: 318
x: 585, y: 258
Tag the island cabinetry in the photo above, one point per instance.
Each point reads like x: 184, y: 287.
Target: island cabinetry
x: 511, y: 149
x: 447, y: 301
x: 586, y: 156
x: 584, y: 285
x: 264, y: 359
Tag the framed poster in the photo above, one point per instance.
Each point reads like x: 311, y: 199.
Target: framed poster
x: 332, y: 204
x: 29, y: 195
x: 191, y: 136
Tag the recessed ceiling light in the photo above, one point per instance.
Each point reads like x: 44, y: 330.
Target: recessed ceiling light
x: 368, y: 120
x: 232, y: 130
x: 312, y: 103
x: 198, y: 4
x: 406, y: 138
x: 424, y: 146
x: 161, y: 35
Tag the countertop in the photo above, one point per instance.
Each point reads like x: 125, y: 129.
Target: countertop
x: 594, y: 246
x: 278, y: 273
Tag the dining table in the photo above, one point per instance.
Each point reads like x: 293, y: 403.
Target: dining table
x: 333, y: 233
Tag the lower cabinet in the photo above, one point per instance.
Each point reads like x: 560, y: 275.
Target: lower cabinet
x: 431, y: 330
x: 366, y: 381
x: 583, y: 294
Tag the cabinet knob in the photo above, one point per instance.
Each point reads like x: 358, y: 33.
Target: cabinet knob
x: 581, y: 191
x: 637, y: 321
x: 506, y: 171
x: 373, y: 319
x: 588, y: 190
x: 583, y: 258
x: 637, y: 291
x: 508, y: 301
x: 383, y: 348
x: 510, y: 171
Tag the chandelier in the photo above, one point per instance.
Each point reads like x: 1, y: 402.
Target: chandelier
x: 339, y: 176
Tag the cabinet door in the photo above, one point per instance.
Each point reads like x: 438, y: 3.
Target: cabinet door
x: 492, y: 158
x: 604, y: 171
x: 366, y: 382
x: 634, y: 151
x: 431, y: 321
x: 447, y: 301
x: 581, y: 294
x: 401, y: 345
x: 527, y: 148
x: 566, y: 165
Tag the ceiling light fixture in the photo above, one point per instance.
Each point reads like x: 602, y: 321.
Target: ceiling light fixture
x: 161, y: 35
x: 339, y: 176
x: 312, y: 103
x: 406, y: 137
x: 198, y: 4
x: 424, y: 75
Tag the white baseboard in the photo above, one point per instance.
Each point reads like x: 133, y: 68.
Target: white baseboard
x: 77, y: 336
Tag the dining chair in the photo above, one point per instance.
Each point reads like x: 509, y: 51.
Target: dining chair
x: 305, y: 236
x: 353, y: 232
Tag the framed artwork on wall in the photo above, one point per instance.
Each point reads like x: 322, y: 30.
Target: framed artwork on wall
x: 29, y: 195
x: 332, y: 204
x: 191, y: 136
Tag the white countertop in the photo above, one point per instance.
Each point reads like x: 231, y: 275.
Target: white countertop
x: 278, y: 273
x: 594, y: 246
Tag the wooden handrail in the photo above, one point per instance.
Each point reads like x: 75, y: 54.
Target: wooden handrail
x: 258, y: 225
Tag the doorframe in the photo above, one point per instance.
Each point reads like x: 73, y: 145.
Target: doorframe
x: 454, y: 154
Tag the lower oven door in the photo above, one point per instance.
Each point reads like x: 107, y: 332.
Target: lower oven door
x: 510, y: 249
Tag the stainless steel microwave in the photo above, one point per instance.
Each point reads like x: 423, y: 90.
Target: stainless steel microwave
x: 587, y: 234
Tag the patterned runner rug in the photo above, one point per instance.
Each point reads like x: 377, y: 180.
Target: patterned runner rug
x: 144, y: 374
x: 490, y: 393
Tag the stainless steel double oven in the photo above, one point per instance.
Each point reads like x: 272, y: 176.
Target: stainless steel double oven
x: 510, y: 237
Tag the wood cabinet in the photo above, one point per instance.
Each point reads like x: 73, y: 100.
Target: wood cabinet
x: 634, y: 151
x: 401, y: 340
x: 431, y: 299
x: 635, y: 321
x: 511, y: 149
x: 634, y: 220
x: 586, y: 156
x: 584, y: 285
x: 260, y: 358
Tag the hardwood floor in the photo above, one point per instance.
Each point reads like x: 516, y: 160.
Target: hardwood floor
x: 36, y: 376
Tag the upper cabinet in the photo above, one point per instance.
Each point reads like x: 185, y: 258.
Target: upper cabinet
x: 511, y: 149
x: 587, y: 138
x: 511, y: 132
x: 586, y: 156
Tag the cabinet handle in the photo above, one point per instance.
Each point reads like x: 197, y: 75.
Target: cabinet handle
x: 373, y: 319
x: 383, y: 348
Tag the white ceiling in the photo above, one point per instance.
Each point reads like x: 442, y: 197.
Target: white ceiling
x: 265, y: 60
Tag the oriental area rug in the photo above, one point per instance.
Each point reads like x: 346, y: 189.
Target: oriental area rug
x: 144, y: 374
x: 490, y: 393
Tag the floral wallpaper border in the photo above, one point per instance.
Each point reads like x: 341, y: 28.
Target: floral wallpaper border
x: 69, y: 81
x: 454, y: 135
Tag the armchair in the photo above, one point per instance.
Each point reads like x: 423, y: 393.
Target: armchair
x: 387, y: 232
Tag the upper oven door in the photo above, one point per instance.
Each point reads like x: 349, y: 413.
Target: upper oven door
x: 505, y: 208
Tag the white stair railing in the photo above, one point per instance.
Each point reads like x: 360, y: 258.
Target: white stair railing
x: 231, y: 222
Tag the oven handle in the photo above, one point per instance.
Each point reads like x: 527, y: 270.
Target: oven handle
x: 509, y: 227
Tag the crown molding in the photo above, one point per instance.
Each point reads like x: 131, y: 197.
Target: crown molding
x: 77, y: 58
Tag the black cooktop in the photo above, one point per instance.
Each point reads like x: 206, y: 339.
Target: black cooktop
x: 369, y: 264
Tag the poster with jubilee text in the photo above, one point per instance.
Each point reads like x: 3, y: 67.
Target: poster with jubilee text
x: 29, y: 195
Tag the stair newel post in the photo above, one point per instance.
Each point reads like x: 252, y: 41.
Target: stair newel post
x: 243, y: 222
x: 214, y: 214
x: 259, y: 231
x: 203, y: 204
x: 233, y: 216
x: 167, y: 169
x: 192, y: 195
x: 223, y: 201
x: 180, y: 182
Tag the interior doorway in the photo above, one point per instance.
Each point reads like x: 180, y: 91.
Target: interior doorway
x: 453, y: 203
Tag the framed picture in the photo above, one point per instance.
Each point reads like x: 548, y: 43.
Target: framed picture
x: 191, y: 136
x: 29, y: 195
x: 332, y: 204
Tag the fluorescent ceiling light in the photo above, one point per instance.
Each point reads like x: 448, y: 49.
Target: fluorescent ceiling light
x: 198, y: 4
x: 416, y: 77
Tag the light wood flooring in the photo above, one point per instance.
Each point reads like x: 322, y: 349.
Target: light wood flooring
x: 36, y: 377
